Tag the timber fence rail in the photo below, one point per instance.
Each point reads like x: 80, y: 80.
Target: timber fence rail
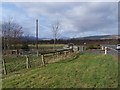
x: 15, y: 64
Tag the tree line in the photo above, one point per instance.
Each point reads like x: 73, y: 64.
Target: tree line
x: 11, y: 33
x: 12, y: 36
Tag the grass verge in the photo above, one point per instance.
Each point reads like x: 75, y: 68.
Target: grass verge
x: 83, y: 71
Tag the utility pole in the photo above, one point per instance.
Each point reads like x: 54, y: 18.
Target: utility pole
x: 37, y: 36
x: 4, y: 42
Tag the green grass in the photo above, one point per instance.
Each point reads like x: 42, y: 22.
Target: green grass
x: 83, y: 71
x: 40, y: 46
x: 47, y: 46
x: 14, y: 64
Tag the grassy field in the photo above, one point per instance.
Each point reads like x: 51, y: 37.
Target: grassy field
x: 40, y: 46
x: 83, y: 71
x: 47, y: 46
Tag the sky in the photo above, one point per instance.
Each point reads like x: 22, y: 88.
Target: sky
x: 78, y: 19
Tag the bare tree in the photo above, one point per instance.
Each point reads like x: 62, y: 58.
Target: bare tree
x: 11, y: 31
x: 56, y: 27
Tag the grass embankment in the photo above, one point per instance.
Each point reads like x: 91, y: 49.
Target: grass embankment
x: 87, y: 70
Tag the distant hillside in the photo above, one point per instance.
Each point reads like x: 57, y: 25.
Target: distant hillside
x: 101, y: 37
x: 24, y: 38
x: 80, y: 38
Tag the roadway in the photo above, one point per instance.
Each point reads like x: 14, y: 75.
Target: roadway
x: 113, y: 51
x: 112, y: 47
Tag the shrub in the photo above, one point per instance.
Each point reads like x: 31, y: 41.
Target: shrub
x: 25, y: 47
x: 93, y: 47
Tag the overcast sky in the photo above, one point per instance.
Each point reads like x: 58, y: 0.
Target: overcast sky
x: 78, y: 19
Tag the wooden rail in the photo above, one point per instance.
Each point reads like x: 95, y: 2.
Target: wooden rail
x: 55, y: 54
x: 60, y: 50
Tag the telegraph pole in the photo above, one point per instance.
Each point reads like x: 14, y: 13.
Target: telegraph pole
x: 37, y: 36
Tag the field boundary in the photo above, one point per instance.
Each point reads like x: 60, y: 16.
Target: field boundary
x: 43, y: 58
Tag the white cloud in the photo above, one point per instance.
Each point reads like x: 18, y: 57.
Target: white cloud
x: 77, y: 18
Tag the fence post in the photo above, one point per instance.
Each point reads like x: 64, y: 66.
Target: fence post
x: 105, y: 50
x: 43, y: 59
x: 27, y: 62
x: 69, y: 52
x: 4, y: 67
x: 57, y: 54
x: 82, y: 48
x: 60, y: 55
x: 65, y: 53
x: 37, y: 53
x: 102, y: 47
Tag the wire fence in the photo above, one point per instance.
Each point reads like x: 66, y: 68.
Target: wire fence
x: 20, y: 62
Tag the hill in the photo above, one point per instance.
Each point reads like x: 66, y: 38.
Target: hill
x: 100, y: 37
x: 79, y: 38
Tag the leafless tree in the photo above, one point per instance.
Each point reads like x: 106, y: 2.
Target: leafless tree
x: 56, y: 27
x: 11, y: 31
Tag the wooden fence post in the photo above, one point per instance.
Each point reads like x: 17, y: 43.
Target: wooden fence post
x: 4, y: 67
x: 27, y: 62
x: 102, y: 47
x: 60, y: 56
x: 37, y: 53
x: 56, y: 55
x: 105, y: 50
x: 82, y: 48
x: 43, y: 61
x: 65, y: 53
